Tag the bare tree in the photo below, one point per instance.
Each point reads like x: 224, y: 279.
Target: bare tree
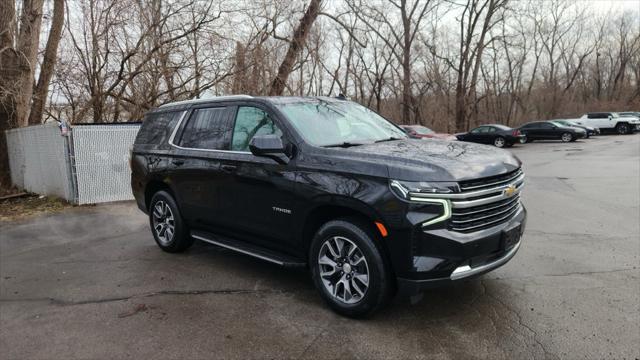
x: 295, y: 46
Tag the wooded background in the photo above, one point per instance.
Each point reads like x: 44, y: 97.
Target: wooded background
x: 446, y: 64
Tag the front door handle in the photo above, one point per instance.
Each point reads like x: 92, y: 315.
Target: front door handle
x: 177, y: 162
x: 228, y: 168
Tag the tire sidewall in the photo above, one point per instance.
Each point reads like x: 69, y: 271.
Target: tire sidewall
x: 379, y: 279
x: 180, y: 240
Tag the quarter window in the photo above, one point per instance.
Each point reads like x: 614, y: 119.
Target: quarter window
x: 207, y: 128
x: 250, y: 122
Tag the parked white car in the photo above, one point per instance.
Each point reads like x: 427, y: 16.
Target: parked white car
x: 610, y: 121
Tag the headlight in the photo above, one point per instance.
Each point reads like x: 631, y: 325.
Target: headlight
x: 408, y: 190
x: 415, y: 192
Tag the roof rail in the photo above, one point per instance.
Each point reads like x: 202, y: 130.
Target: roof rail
x: 207, y: 99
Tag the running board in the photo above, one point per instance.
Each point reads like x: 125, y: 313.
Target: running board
x: 248, y: 249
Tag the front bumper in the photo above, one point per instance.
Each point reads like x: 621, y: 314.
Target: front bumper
x: 446, y: 258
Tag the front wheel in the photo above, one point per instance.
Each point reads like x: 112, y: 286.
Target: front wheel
x: 499, y: 142
x: 622, y: 129
x: 566, y: 137
x: 348, y: 269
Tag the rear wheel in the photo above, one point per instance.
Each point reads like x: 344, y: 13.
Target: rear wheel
x: 499, y: 142
x: 348, y: 269
x: 167, y: 226
x: 566, y: 137
x: 622, y: 129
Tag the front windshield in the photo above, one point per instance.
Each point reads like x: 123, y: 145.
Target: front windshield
x: 329, y: 123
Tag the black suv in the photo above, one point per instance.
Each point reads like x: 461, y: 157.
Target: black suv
x: 331, y: 185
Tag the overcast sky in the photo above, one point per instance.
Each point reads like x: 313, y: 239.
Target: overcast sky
x: 616, y: 4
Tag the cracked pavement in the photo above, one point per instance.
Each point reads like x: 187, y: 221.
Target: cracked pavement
x: 90, y: 283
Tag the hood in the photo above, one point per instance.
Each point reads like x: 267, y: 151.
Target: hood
x: 435, y: 160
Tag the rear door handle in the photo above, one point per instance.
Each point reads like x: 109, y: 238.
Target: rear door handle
x: 228, y: 168
x: 177, y: 162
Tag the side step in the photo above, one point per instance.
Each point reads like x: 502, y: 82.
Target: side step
x: 248, y: 249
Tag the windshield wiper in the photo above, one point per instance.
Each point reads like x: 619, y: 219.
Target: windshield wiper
x: 388, y: 139
x: 345, y: 144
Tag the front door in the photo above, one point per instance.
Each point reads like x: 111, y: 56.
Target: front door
x: 259, y: 199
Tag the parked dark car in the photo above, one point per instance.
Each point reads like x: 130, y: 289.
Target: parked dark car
x: 329, y: 185
x: 497, y: 135
x: 423, y: 132
x: 548, y: 130
x: 591, y: 131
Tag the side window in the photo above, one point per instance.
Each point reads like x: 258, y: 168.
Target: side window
x: 478, y: 130
x: 251, y: 121
x: 157, y: 127
x: 546, y: 126
x: 491, y: 129
x: 598, y: 116
x: 208, y: 128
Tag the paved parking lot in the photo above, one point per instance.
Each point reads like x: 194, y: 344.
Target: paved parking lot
x: 91, y: 283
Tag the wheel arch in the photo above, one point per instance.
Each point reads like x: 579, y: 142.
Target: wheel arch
x: 153, y: 187
x: 333, y: 208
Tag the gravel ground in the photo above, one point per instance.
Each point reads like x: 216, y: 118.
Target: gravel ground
x: 91, y: 283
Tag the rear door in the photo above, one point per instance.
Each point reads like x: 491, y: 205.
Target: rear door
x: 532, y: 130
x: 197, y: 172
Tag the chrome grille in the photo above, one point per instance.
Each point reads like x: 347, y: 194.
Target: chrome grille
x: 486, y: 202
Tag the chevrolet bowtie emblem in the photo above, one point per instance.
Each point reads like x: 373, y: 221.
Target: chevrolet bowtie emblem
x: 509, y: 191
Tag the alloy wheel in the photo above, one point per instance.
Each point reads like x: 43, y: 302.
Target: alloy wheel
x: 623, y: 129
x: 163, y: 222
x: 343, y: 270
x: 499, y: 142
x: 566, y: 137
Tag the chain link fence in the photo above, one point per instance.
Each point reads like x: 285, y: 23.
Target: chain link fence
x: 90, y: 166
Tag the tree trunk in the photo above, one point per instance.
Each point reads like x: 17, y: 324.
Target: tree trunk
x: 48, y: 64
x: 295, y: 47
x: 27, y: 47
x: 8, y: 62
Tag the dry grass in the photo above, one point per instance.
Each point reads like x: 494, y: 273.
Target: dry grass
x: 30, y: 205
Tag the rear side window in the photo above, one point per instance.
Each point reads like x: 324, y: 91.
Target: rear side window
x: 157, y: 128
x: 207, y: 128
x: 250, y: 122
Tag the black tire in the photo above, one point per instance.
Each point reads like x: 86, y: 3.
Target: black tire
x: 567, y: 137
x: 380, y: 281
x: 180, y: 240
x: 623, y: 128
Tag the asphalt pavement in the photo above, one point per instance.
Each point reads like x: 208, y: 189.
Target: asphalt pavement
x: 90, y: 282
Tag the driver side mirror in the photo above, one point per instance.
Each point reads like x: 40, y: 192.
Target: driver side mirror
x: 270, y: 146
